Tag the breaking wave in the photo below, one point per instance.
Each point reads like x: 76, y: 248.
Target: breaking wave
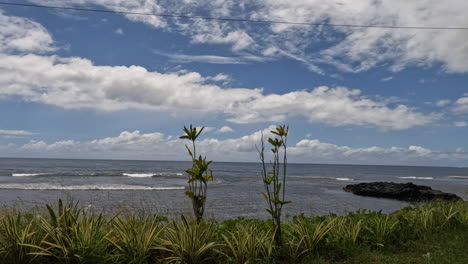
x: 344, y: 179
x: 26, y: 174
x: 95, y: 174
x: 416, y: 178
x: 105, y: 187
x: 139, y: 175
x: 458, y: 177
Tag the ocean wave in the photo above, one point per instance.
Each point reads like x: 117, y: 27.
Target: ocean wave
x: 94, y: 174
x: 309, y: 177
x: 344, y: 179
x: 416, y: 178
x: 139, y: 175
x: 103, y: 187
x: 26, y: 174
x: 458, y: 177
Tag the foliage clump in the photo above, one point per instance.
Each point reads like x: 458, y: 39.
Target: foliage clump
x: 69, y: 234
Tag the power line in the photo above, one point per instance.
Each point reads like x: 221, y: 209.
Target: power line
x: 229, y: 19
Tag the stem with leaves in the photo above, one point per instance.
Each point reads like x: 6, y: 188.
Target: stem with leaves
x: 275, y: 187
x: 199, y: 174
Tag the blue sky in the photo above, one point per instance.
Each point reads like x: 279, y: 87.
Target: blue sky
x: 95, y: 85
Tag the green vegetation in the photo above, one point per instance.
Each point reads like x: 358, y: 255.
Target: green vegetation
x: 199, y: 174
x: 429, y: 233
x: 275, y: 187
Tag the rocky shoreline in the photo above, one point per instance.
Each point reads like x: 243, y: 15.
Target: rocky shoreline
x: 401, y: 191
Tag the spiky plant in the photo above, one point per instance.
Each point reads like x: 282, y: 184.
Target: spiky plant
x: 135, y: 239
x: 346, y: 230
x: 305, y: 236
x: 189, y: 242
x: 462, y: 215
x: 16, y: 231
x: 248, y: 244
x: 71, y: 236
x: 382, y: 229
x: 199, y: 174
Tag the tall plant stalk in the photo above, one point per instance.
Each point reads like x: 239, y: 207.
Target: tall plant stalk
x: 199, y: 174
x: 275, y: 186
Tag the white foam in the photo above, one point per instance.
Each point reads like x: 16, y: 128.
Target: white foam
x: 106, y: 187
x: 417, y: 178
x: 139, y: 175
x: 179, y: 174
x: 26, y: 174
x: 458, y: 177
x: 344, y: 179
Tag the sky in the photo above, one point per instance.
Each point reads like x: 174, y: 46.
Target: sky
x: 77, y: 84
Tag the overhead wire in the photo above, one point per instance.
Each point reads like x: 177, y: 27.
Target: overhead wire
x: 228, y: 19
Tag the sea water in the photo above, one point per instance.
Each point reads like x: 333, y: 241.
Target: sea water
x: 113, y: 186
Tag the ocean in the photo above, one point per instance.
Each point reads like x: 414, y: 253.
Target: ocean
x: 117, y: 186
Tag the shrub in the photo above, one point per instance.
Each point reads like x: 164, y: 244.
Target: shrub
x: 189, y: 242
x: 135, y: 239
x: 71, y: 236
x: 305, y: 236
x: 16, y: 232
x: 248, y: 244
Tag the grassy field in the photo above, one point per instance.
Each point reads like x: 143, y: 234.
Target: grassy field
x: 429, y: 233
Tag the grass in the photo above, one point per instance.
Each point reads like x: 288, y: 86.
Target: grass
x: 428, y: 233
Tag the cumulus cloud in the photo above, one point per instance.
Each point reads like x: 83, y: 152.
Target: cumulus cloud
x: 461, y: 105
x: 23, y: 35
x: 443, y: 102
x: 334, y: 106
x: 150, y: 145
x: 225, y: 129
x: 76, y: 83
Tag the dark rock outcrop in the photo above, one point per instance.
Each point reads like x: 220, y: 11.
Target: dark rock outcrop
x: 400, y: 191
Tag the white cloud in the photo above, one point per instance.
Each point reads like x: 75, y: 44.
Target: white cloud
x: 443, y: 102
x: 225, y: 129
x: 184, y: 58
x: 206, y: 129
x: 220, y: 77
x: 119, y: 31
x: 334, y: 106
x: 136, y: 145
x: 76, y: 83
x: 386, y: 79
x: 238, y: 39
x: 460, y: 124
x: 348, y: 49
x: 461, y: 105
x: 23, y: 35
x: 6, y: 132
x: 360, y: 49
